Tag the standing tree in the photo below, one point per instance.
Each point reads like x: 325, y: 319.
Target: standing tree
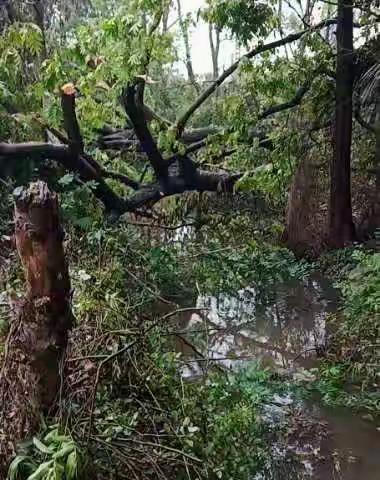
x: 214, y: 46
x: 185, y: 35
x: 341, y: 225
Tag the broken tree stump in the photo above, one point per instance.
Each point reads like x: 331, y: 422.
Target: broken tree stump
x: 30, y: 375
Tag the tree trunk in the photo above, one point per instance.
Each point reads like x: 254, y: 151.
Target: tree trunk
x: 185, y: 35
x: 306, y: 213
x: 39, y: 14
x: 30, y: 377
x: 214, y: 46
x: 341, y: 226
x: 165, y: 17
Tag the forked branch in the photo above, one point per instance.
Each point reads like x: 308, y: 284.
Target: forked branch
x: 135, y: 111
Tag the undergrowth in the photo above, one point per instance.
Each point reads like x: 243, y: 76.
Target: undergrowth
x: 350, y: 375
x: 127, y: 406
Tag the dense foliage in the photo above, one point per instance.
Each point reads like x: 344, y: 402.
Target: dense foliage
x: 354, y: 350
x: 222, y: 208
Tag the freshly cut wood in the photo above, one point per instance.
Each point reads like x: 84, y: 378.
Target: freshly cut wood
x: 30, y: 377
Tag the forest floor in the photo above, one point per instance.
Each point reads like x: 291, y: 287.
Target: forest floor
x: 199, y: 354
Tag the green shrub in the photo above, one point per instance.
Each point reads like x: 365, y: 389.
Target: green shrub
x: 56, y: 457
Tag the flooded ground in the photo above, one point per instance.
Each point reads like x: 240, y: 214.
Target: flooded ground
x: 286, y: 330
x: 351, y: 451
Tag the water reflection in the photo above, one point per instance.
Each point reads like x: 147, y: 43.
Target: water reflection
x: 283, y: 328
x: 279, y: 327
x: 351, y: 451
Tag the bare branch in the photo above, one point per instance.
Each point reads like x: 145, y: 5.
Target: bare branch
x: 135, y: 112
x: 184, y: 118
x: 35, y: 150
x: 296, y: 100
x: 163, y: 227
x: 184, y: 176
x: 70, y: 161
x: 69, y: 117
x: 201, y: 181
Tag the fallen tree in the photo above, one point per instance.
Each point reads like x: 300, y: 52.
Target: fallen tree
x: 173, y: 175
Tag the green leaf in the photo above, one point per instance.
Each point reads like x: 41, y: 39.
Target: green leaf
x: 66, y: 179
x: 55, y: 438
x: 41, y: 471
x: 65, y: 451
x: 41, y: 446
x: 14, y: 467
x: 72, y: 466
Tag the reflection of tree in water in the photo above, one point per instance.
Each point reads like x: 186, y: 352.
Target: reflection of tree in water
x: 276, y: 327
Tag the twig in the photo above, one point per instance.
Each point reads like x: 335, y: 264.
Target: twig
x: 165, y: 447
x: 6, y: 349
x: 144, y: 172
x: 303, y: 353
x: 123, y: 350
x: 163, y: 227
x: 150, y: 290
x: 211, y: 359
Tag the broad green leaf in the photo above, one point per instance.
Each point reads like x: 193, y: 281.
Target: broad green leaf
x: 72, y: 466
x: 41, y: 471
x: 14, y: 467
x: 41, y: 446
x: 65, y: 450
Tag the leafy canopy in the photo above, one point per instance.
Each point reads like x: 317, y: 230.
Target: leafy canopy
x: 246, y: 19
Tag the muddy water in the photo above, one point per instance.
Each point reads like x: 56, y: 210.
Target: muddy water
x: 283, y: 329
x: 352, y: 449
x: 286, y: 330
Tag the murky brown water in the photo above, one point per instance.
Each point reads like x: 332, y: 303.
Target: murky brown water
x: 285, y: 331
x: 352, y: 450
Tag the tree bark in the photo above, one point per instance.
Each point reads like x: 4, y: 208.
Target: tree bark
x: 214, y: 46
x: 38, y: 6
x: 306, y: 217
x: 341, y: 226
x: 185, y: 35
x: 30, y: 377
x: 165, y: 17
